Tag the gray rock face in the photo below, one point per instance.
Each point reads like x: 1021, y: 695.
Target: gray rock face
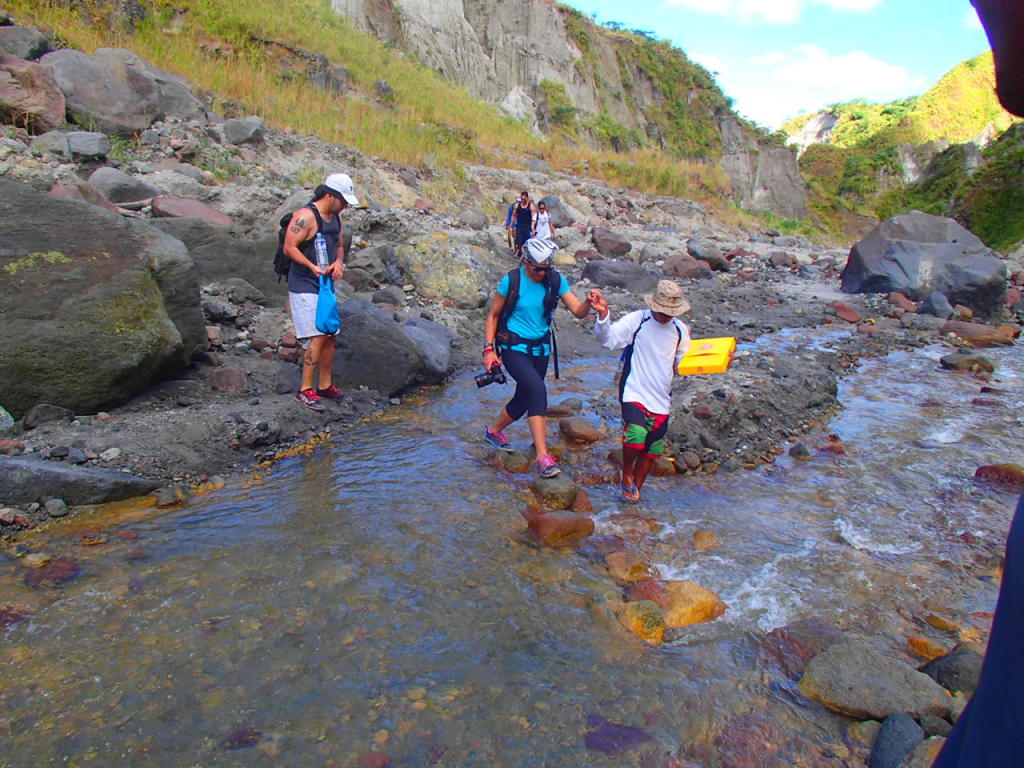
x: 441, y: 268
x: 245, y: 130
x: 88, y: 145
x: 764, y: 177
x: 917, y: 254
x: 620, y: 274
x: 434, y: 341
x: 392, y: 294
x: 609, y: 244
x: 958, y: 672
x: 23, y: 42
x: 29, y: 95
x: 95, y: 307
x: 375, y: 351
x: 118, y: 187
x: 560, y: 217
x: 502, y: 52
x: 858, y: 680
x: 218, y: 254
x: 51, y: 142
x: 24, y: 479
x: 936, y: 305
x: 474, y: 219
x: 898, y: 737
x: 118, y: 93
x: 709, y: 252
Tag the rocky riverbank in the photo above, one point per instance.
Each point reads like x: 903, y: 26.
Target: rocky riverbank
x: 146, y: 345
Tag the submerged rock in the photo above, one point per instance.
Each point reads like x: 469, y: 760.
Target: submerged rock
x: 645, y: 620
x: 856, y: 679
x: 559, y: 528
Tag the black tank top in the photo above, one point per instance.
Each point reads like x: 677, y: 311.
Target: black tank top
x: 524, y: 216
x: 300, y: 278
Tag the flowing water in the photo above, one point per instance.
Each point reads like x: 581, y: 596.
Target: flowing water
x: 376, y: 599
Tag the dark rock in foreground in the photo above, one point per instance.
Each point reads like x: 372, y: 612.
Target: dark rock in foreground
x: 24, y: 480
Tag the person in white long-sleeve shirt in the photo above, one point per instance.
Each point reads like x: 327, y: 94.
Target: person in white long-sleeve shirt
x: 654, y: 341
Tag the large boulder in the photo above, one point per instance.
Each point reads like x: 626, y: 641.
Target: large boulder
x: 29, y: 95
x: 118, y: 93
x: 434, y: 341
x: 442, y: 268
x: 219, y: 253
x: 120, y: 187
x: 620, y: 274
x: 855, y: 679
x: 186, y: 207
x: 560, y: 215
x: 375, y: 351
x: 26, y: 479
x: 23, y: 42
x: 96, y: 307
x: 609, y: 244
x: 917, y: 254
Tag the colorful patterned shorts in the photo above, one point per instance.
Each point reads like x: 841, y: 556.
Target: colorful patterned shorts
x: 643, y: 430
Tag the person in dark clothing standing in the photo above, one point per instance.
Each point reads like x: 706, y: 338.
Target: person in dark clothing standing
x: 323, y: 216
x: 522, y: 218
x: 989, y: 733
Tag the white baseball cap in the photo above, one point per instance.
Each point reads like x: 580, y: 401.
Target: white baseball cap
x: 340, y: 184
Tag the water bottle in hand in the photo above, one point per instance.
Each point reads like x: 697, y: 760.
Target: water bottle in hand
x: 320, y: 246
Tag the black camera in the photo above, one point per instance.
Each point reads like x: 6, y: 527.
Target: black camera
x: 496, y: 374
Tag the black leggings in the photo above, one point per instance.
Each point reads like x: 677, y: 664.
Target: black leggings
x: 531, y: 396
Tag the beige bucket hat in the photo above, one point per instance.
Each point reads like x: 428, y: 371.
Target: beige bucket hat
x: 668, y: 298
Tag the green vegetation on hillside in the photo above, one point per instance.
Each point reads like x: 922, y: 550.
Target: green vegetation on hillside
x: 988, y: 201
x: 251, y: 58
x: 861, y: 165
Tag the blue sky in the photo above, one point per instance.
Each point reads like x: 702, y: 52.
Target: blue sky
x: 778, y: 58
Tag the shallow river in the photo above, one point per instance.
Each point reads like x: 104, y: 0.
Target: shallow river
x: 376, y: 599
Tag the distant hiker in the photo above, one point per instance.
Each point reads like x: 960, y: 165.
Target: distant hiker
x: 654, y: 341
x: 542, y: 225
x: 517, y: 333
x: 520, y: 221
x: 321, y: 215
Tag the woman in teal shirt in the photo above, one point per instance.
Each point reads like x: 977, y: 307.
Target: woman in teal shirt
x: 521, y: 340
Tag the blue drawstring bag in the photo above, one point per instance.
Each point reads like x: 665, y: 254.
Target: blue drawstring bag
x: 327, y: 318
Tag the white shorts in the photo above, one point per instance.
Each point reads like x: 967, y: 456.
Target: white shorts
x: 303, y: 307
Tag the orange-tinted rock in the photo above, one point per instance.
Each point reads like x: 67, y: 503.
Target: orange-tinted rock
x: 582, y: 504
x: 663, y: 467
x: 558, y: 411
x: 1013, y: 296
x: 11, y: 447
x: 1009, y: 330
x: 845, y: 312
x: 705, y: 540
x: 960, y: 312
x: 290, y: 354
x: 836, y: 448
x: 644, y: 619
x: 944, y: 625
x: 900, y: 301
x: 793, y: 645
x: 690, y: 459
x: 85, y: 192
x: 925, y: 648
x: 559, y: 528
x: 645, y: 589
x: 578, y: 430
x: 686, y: 602
x: 626, y: 567
x: 615, y: 456
x: 185, y: 207
x: 977, y: 334
x: 1010, y: 474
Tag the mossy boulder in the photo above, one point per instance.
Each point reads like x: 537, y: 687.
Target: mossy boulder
x: 442, y: 268
x: 96, y: 307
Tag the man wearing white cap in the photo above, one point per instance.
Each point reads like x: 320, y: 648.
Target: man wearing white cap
x: 323, y: 215
x: 655, y: 341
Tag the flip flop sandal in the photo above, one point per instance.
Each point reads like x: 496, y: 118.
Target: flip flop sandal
x: 630, y: 494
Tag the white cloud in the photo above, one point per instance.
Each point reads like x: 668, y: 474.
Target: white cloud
x: 712, y: 63
x: 971, y: 20
x: 768, y: 11
x: 780, y: 84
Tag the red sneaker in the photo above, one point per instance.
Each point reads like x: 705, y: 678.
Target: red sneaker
x: 331, y: 393
x: 309, y: 399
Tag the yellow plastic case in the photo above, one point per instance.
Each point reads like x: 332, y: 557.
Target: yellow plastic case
x: 707, y: 356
